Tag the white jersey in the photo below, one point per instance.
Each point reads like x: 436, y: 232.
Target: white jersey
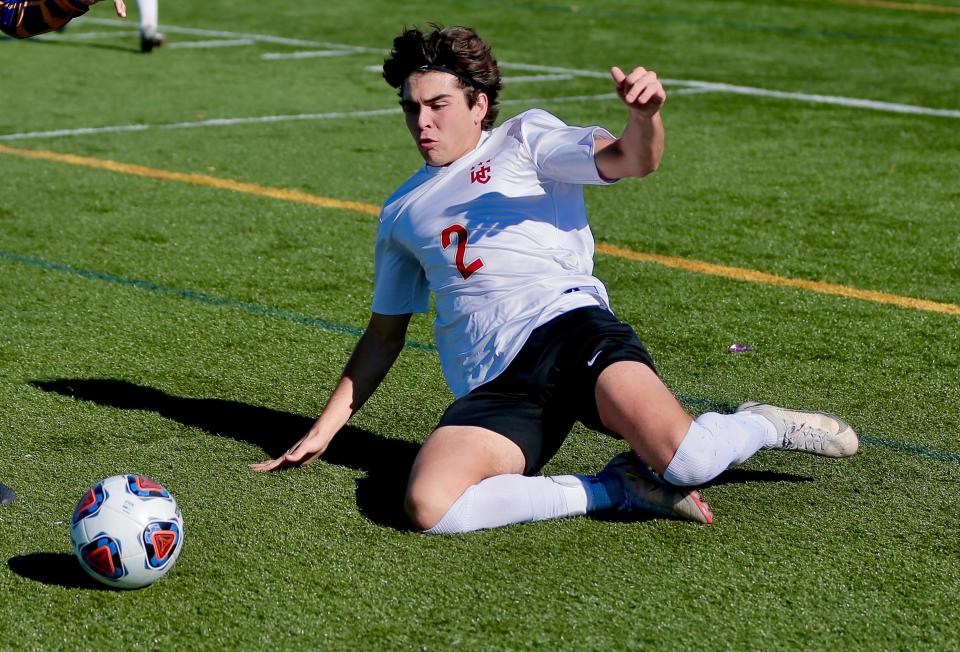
x: 500, y: 236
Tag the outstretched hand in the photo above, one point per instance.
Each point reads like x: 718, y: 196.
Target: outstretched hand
x: 118, y: 5
x: 305, y: 451
x: 640, y: 90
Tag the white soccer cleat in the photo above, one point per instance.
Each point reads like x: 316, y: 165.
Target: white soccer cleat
x: 820, y: 433
x: 644, y: 490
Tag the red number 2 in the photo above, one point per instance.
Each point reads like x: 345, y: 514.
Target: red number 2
x: 465, y: 270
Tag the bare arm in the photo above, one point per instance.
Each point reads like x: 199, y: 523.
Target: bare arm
x: 372, y: 358
x: 638, y: 151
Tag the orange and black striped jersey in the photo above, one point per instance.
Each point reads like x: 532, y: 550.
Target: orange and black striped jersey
x: 26, y: 18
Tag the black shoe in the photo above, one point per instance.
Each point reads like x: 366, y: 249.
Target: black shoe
x: 147, y: 43
x: 7, y: 495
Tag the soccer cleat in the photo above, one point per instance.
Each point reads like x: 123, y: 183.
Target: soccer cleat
x: 644, y: 490
x: 819, y: 433
x: 7, y: 495
x: 147, y: 43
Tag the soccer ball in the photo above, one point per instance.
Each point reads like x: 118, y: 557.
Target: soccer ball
x: 127, y: 531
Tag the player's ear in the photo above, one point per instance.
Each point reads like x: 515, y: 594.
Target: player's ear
x: 480, y: 106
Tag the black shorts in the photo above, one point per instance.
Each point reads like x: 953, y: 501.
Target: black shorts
x: 550, y: 384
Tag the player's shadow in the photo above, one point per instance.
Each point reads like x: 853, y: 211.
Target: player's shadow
x: 54, y: 568
x: 743, y: 476
x: 386, y: 461
x: 500, y: 211
x: 730, y: 476
x: 114, y: 47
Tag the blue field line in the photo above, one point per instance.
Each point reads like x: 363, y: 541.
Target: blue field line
x: 697, y: 403
x: 726, y: 407
x: 910, y: 449
x: 251, y: 308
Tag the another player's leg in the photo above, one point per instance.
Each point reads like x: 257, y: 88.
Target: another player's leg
x: 149, y: 36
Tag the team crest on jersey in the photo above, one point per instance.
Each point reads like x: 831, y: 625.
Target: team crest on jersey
x: 480, y: 173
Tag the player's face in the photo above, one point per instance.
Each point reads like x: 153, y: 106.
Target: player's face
x: 441, y: 122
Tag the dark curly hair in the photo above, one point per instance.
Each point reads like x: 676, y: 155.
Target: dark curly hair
x: 456, y: 50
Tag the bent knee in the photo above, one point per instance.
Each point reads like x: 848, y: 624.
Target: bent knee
x: 426, y: 505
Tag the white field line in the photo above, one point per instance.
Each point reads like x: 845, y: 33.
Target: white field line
x: 524, y: 79
x: 82, y: 131
x: 693, y: 89
x: 506, y: 65
x: 758, y: 92
x: 227, y: 122
x: 220, y: 43
x: 690, y: 91
x: 260, y: 38
x: 689, y: 87
x: 216, y: 122
x: 306, y: 54
x: 851, y: 102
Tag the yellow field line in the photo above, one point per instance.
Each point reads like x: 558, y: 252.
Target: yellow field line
x: 697, y: 266
x: 903, y: 6
x: 754, y: 276
x: 195, y: 179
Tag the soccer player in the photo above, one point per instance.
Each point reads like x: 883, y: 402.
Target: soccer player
x: 149, y: 36
x: 494, y: 225
x: 26, y: 18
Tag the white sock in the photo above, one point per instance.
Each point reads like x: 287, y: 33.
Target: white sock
x: 148, y: 17
x: 507, y: 499
x: 716, y: 441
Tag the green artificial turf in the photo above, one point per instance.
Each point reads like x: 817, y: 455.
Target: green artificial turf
x: 184, y: 331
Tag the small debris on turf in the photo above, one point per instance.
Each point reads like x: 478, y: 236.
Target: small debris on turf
x: 740, y: 348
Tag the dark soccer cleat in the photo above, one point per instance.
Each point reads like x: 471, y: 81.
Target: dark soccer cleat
x: 645, y: 491
x: 820, y: 433
x: 7, y: 495
x: 147, y: 43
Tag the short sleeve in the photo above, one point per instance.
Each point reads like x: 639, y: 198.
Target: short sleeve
x: 561, y: 152
x: 399, y: 283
